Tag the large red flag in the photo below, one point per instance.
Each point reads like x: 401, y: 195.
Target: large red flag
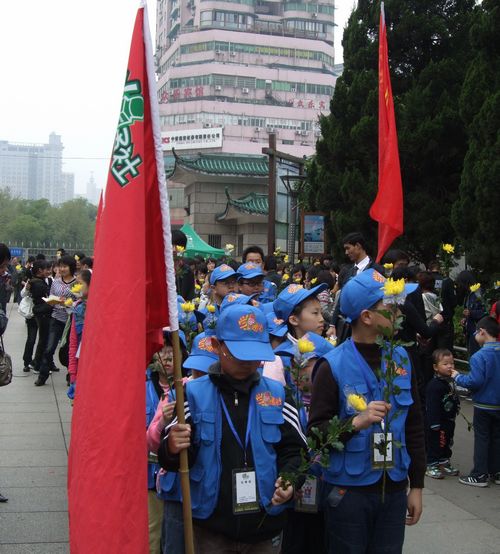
x: 132, y: 297
x: 388, y: 206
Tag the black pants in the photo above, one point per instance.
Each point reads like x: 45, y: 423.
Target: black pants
x: 362, y: 524
x: 30, y: 341
x: 439, y: 442
x: 486, y: 442
x: 304, y: 533
x: 43, y: 324
x: 56, y: 330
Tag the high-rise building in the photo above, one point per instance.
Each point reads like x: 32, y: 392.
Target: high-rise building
x: 92, y: 191
x: 232, y: 72
x: 34, y: 171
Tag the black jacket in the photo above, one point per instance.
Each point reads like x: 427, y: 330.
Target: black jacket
x: 249, y: 528
x: 38, y: 290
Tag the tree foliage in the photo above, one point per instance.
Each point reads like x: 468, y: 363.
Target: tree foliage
x: 475, y: 213
x: 428, y: 54
x: 36, y: 222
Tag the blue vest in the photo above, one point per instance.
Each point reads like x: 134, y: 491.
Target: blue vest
x: 205, y: 407
x: 152, y: 400
x: 269, y: 293
x: 352, y: 466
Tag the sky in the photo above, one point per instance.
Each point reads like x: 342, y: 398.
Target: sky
x: 63, y: 66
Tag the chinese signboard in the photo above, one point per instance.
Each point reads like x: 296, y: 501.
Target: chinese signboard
x: 192, y: 138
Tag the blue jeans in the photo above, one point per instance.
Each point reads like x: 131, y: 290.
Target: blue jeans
x: 56, y: 330
x: 362, y: 524
x: 486, y: 442
x: 172, y: 532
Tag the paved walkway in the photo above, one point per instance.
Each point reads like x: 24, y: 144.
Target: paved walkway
x: 34, y: 441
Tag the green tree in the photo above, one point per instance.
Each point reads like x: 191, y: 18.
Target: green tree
x: 475, y: 212
x: 23, y: 229
x: 428, y: 49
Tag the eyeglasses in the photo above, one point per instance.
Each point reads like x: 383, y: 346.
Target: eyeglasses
x: 251, y: 282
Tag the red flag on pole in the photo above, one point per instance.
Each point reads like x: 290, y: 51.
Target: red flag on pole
x: 388, y: 206
x: 132, y: 297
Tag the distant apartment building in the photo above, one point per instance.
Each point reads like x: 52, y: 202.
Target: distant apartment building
x: 34, y: 171
x: 229, y: 74
x: 92, y: 193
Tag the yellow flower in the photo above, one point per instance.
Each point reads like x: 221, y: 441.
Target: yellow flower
x: 286, y: 258
x: 229, y: 247
x: 388, y: 266
x: 314, y: 281
x: 197, y: 287
x: 298, y: 280
x: 77, y: 258
x: 210, y: 308
x: 317, y: 263
x: 357, y: 402
x: 475, y: 287
x: 19, y: 267
x: 285, y: 277
x: 196, y: 301
x: 497, y: 284
x: 449, y: 248
x: 77, y: 288
x: 277, y: 252
x: 68, y: 302
x: 305, y: 345
x: 332, y: 340
x: 188, y: 307
x: 393, y: 287
x: 179, y: 249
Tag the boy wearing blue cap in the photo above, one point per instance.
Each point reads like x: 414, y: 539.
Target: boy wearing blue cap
x: 356, y: 518
x: 251, y: 281
x: 242, y: 431
x: 223, y: 280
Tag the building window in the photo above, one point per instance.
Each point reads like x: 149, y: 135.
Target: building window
x: 240, y: 245
x: 215, y: 241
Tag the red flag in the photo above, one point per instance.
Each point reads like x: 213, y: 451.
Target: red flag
x: 126, y: 311
x: 388, y: 206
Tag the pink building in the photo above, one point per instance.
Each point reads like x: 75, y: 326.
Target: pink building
x: 231, y: 72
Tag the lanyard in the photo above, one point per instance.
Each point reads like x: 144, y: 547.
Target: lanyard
x: 233, y: 429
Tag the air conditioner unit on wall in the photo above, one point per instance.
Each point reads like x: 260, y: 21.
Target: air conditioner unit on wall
x: 245, y: 90
x: 270, y: 129
x: 218, y: 88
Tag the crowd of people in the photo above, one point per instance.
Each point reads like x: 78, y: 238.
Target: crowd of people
x: 278, y: 361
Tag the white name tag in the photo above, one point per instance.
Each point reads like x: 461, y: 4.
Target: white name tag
x: 382, y: 449
x: 308, y: 496
x: 245, y: 497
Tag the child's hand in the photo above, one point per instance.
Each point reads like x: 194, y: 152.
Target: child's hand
x: 179, y: 438
x: 454, y: 373
x: 374, y: 413
x: 168, y: 411
x: 414, y: 506
x: 281, y: 495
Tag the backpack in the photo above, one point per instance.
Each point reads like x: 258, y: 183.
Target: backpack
x: 5, y: 366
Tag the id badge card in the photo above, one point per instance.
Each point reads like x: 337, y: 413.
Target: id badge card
x: 379, y: 447
x: 245, y: 496
x: 309, y: 499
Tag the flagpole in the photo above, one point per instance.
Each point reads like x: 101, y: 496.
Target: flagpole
x: 183, y: 465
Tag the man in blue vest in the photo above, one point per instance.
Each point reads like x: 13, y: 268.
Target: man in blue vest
x: 358, y: 520
x: 242, y: 431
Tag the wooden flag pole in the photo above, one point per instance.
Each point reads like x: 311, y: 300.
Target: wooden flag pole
x: 183, y: 466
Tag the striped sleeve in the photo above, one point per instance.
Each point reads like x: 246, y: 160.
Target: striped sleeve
x: 291, y: 416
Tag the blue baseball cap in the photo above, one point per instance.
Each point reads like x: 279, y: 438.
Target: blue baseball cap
x: 234, y: 298
x: 221, y: 273
x: 292, y: 296
x: 276, y: 326
x: 249, y: 271
x: 363, y: 292
x: 202, y: 354
x: 243, y: 329
x: 182, y: 335
x: 321, y: 347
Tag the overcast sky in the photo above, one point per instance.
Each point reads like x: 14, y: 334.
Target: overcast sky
x: 63, y: 66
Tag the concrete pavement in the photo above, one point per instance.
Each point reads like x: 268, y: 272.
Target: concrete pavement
x: 34, y: 441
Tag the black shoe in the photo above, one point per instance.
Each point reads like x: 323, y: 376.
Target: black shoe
x: 39, y: 382
x: 54, y: 368
x: 26, y: 369
x: 3, y: 499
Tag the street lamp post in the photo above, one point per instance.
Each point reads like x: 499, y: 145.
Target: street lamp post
x: 293, y: 184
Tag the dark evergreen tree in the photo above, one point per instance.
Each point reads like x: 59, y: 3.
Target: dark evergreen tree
x: 476, y: 211
x: 428, y: 54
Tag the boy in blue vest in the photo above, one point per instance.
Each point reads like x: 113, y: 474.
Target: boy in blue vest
x: 242, y: 432
x: 484, y: 382
x: 357, y: 520
x: 223, y: 280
